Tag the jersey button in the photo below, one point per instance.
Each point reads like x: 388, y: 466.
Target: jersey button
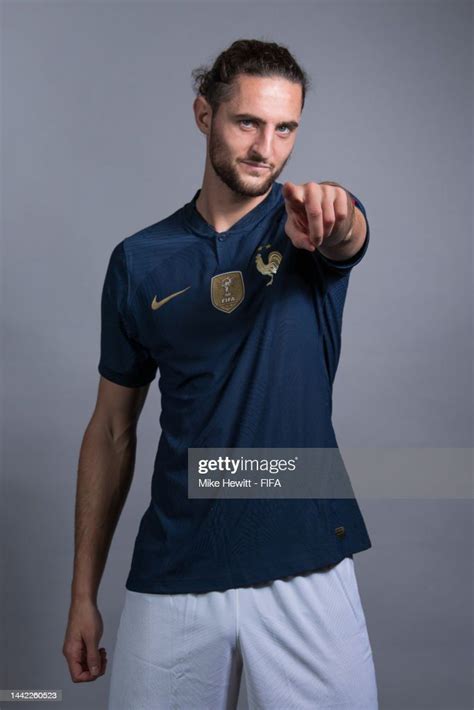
x: 221, y: 237
x: 340, y: 531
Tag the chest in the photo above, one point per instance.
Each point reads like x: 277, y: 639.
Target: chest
x: 217, y: 295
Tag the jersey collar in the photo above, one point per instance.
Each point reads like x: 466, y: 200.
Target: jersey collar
x: 198, y: 225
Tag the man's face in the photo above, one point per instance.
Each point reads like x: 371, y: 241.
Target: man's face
x: 258, y: 124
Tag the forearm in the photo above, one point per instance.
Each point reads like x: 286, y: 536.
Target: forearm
x: 104, y: 477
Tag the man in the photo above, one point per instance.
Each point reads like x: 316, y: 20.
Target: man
x: 237, y: 298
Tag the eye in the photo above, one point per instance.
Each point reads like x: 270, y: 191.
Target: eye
x: 245, y: 120
x: 287, y: 127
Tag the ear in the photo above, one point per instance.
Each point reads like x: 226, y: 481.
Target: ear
x: 202, y: 114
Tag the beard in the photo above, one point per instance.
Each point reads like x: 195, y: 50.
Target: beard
x: 225, y: 167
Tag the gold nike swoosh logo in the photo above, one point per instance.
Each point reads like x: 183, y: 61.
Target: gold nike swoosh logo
x: 157, y: 304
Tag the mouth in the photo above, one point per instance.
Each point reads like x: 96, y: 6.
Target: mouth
x: 256, y: 166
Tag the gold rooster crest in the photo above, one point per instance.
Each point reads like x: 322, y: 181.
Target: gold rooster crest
x: 273, y: 262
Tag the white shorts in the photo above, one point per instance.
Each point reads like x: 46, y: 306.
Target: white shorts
x: 301, y: 642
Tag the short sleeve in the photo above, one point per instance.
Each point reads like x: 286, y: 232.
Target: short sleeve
x: 346, y: 265
x: 122, y: 359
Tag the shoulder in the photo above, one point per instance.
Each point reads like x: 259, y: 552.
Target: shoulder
x: 147, y: 250
x: 154, y: 234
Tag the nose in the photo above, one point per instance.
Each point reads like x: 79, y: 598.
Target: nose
x: 263, y: 144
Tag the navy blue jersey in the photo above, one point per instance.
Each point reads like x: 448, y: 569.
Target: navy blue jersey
x: 245, y: 330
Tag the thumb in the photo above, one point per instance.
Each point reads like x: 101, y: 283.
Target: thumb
x: 93, y: 657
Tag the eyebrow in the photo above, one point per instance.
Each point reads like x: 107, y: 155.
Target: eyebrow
x: 292, y: 124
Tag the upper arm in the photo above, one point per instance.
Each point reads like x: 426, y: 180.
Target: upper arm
x: 125, y: 366
x: 118, y: 408
x: 123, y: 358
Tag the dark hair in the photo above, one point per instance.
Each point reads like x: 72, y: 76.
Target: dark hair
x: 246, y: 56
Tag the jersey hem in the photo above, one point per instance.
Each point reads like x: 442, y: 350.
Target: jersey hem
x: 196, y: 585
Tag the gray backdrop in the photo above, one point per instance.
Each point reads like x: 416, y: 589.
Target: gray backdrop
x: 99, y: 141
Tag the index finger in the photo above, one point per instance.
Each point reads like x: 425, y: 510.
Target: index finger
x: 314, y: 213
x: 294, y: 195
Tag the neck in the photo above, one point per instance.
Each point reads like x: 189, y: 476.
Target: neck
x: 219, y: 205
